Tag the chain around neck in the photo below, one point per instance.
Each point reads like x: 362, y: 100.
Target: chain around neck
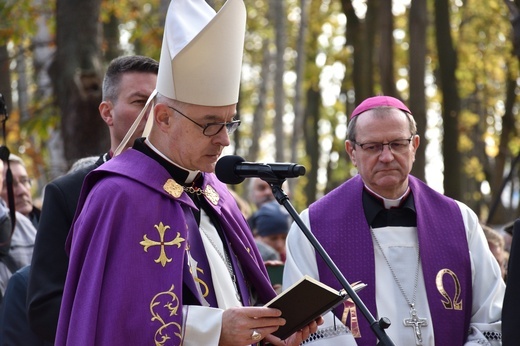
x: 227, y: 261
x: 411, y: 302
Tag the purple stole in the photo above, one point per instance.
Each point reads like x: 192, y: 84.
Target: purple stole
x: 247, y: 261
x: 444, y: 255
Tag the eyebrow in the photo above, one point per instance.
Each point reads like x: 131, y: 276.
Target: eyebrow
x: 215, y: 118
x: 374, y: 141
x: 138, y: 94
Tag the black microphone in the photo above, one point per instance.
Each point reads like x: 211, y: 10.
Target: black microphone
x: 233, y: 169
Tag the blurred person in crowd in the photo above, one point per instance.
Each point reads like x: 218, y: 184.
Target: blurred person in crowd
x: 18, y: 244
x: 22, y: 183
x: 496, y: 244
x: 260, y: 192
x: 270, y: 225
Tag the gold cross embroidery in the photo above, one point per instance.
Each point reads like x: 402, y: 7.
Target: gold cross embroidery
x: 146, y: 243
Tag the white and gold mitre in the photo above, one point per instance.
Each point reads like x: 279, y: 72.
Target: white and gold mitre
x: 201, y: 54
x: 201, y: 57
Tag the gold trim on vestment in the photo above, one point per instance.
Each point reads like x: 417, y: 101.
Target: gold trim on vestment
x: 146, y: 243
x: 173, y: 188
x: 162, y: 307
x: 211, y: 194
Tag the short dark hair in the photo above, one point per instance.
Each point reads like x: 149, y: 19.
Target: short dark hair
x: 122, y: 65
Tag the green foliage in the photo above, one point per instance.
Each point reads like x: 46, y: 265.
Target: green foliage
x: 19, y: 18
x: 482, y: 37
x: 140, y: 21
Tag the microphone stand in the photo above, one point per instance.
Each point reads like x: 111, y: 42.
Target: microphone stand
x: 377, y: 327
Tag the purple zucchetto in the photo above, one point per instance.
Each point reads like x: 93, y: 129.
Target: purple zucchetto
x: 379, y: 101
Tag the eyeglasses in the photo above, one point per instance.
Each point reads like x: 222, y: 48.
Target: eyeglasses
x: 399, y: 146
x: 25, y: 181
x: 211, y: 129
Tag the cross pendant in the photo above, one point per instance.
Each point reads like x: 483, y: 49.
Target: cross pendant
x: 416, y: 323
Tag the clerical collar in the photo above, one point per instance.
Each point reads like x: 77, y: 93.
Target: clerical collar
x: 191, y: 174
x: 387, y: 202
x: 180, y: 174
x: 378, y: 216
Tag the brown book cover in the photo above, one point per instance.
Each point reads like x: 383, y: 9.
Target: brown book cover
x: 305, y: 301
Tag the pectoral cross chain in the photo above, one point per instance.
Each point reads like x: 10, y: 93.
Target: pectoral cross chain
x: 416, y: 323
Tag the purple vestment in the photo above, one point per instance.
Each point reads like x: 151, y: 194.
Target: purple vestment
x: 128, y: 256
x: 339, y: 223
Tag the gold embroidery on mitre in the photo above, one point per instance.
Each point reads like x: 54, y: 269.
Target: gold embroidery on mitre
x: 173, y: 188
x: 146, y: 243
x: 449, y: 303
x: 164, y: 305
x: 211, y: 194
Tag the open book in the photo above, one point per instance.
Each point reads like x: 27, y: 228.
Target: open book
x: 305, y: 301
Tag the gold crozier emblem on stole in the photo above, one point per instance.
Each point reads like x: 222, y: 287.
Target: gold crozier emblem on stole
x: 449, y: 303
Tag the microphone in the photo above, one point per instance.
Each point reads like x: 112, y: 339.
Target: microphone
x: 233, y: 169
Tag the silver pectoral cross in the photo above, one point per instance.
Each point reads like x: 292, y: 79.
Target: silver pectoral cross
x: 416, y: 323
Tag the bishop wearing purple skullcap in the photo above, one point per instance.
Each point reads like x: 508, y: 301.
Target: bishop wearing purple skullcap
x: 423, y: 255
x: 379, y: 101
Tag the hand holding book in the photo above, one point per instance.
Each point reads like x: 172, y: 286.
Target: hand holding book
x: 305, y: 301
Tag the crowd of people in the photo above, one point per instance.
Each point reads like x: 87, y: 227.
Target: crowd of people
x: 144, y: 244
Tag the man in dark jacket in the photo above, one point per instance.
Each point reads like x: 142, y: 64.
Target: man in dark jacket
x: 128, y: 83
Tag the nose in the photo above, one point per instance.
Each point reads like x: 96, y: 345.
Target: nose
x: 386, y: 154
x: 221, y: 138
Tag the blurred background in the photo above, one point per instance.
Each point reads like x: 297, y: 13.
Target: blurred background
x: 307, y: 64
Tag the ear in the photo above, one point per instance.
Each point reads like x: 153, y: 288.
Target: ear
x: 416, y: 140
x: 162, y: 115
x: 105, y: 110
x: 349, y: 148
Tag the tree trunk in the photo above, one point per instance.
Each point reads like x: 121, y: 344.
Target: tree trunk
x: 301, y: 59
x: 278, y: 14
x: 498, y: 180
x: 418, y: 23
x: 260, y: 109
x: 78, y: 78
x: 22, y: 84
x: 43, y: 55
x: 5, y: 81
x: 451, y: 101
x: 360, y: 35
x: 312, y: 144
x: 111, y: 37
x: 386, y: 48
